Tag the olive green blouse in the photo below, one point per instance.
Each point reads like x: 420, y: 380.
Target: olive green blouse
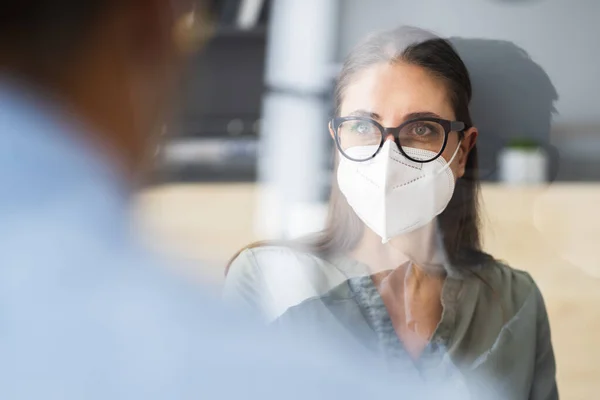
x: 493, y: 337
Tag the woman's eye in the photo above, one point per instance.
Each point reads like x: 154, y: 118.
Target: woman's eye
x: 421, y: 130
x: 362, y: 128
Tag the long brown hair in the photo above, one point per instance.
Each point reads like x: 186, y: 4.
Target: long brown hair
x: 460, y: 221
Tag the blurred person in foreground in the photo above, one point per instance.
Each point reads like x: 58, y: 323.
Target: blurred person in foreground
x: 86, y: 312
x: 399, y: 267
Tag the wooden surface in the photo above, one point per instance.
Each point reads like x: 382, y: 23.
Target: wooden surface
x: 551, y: 231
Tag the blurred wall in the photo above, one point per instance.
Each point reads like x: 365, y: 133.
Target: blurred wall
x: 560, y: 36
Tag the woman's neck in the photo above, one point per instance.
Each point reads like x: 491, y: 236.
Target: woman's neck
x: 422, y: 247
x: 376, y: 255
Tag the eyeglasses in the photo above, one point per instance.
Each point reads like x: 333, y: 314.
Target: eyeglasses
x: 361, y: 138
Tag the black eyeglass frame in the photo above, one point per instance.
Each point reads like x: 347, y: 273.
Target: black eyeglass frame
x: 449, y: 126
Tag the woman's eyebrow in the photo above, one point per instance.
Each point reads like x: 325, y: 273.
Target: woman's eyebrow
x: 421, y: 114
x: 365, y: 113
x: 407, y: 117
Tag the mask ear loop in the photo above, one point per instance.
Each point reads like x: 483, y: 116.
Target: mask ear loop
x: 445, y: 167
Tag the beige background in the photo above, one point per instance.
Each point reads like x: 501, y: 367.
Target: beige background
x: 551, y: 231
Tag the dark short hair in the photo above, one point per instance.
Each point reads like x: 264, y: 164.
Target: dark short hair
x: 46, y: 32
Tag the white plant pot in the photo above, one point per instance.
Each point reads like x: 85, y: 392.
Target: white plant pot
x: 523, y: 167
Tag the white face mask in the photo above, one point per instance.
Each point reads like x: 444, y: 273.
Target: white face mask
x: 393, y: 195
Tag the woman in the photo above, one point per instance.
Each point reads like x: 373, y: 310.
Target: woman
x: 399, y: 267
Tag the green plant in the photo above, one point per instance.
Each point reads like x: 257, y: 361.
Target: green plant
x: 523, y: 144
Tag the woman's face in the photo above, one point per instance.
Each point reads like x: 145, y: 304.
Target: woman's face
x: 393, y: 93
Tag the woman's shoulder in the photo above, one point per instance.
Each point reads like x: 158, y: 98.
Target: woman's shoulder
x: 274, y: 278
x: 514, y: 287
x: 264, y: 257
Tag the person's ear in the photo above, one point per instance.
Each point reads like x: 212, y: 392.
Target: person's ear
x: 466, y: 145
x: 331, y: 132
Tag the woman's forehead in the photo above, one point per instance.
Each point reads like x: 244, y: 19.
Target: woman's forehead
x: 395, y: 90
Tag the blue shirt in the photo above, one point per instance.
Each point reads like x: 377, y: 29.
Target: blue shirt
x: 87, y: 313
